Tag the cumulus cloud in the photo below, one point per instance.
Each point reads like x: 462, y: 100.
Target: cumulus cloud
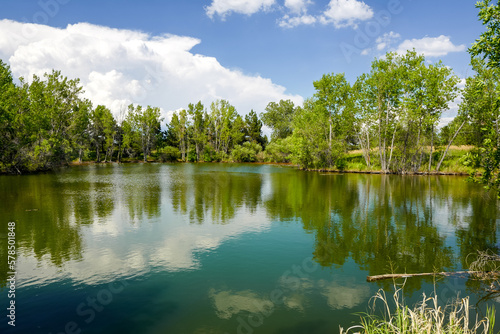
x: 119, y: 67
x: 293, y: 21
x: 431, y: 46
x: 383, y: 43
x: 345, y: 13
x: 297, y: 6
x: 248, y: 7
x: 340, y: 13
x: 387, y: 40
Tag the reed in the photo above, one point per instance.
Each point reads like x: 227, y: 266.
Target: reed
x: 427, y: 316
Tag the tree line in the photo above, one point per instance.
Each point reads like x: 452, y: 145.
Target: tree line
x: 390, y: 114
x: 47, y: 123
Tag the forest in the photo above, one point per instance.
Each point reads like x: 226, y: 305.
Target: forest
x: 390, y: 116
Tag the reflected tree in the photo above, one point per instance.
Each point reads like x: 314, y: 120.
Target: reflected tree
x: 216, y: 196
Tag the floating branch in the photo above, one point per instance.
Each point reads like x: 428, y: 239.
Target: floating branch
x: 389, y: 276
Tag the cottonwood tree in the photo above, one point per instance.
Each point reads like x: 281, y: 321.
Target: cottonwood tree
x: 402, y: 100
x: 102, y: 131
x: 481, y: 103
x: 488, y: 48
x: 142, y: 126
x: 197, y: 128
x: 278, y: 117
x: 334, y: 96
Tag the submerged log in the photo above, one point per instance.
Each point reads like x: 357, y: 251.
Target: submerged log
x: 389, y: 276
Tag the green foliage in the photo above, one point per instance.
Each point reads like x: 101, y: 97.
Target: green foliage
x: 169, y: 154
x: 246, y: 152
x: 278, y: 117
x: 487, y: 45
x: 480, y: 109
x: 253, y: 129
x: 279, y: 151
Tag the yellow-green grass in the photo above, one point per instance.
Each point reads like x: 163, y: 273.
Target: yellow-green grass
x: 427, y: 316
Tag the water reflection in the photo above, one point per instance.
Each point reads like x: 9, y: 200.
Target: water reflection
x: 204, y: 194
x: 212, y: 242
x: 44, y: 226
x: 414, y: 224
x: 387, y: 223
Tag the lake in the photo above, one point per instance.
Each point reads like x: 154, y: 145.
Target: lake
x: 230, y: 248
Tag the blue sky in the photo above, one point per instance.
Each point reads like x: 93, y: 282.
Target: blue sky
x: 250, y: 52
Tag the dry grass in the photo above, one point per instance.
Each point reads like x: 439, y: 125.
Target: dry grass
x: 464, y: 148
x: 487, y: 264
x: 425, y: 317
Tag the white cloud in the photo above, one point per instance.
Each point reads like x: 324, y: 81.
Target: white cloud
x: 297, y: 6
x: 431, y: 46
x: 294, y: 21
x: 387, y: 40
x: 119, y: 67
x: 248, y: 7
x: 345, y: 13
x: 340, y: 13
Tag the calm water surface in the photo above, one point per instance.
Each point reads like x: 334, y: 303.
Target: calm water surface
x: 229, y: 248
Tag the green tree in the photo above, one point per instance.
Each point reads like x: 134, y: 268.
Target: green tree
x: 222, y: 117
x: 401, y: 100
x: 487, y: 45
x: 238, y: 131
x: 80, y: 127
x: 46, y: 111
x: 278, y: 117
x: 103, y: 131
x: 253, y: 127
x: 10, y: 115
x: 310, y: 140
x: 179, y: 128
x: 197, y: 127
x: 382, y: 88
x: 333, y: 95
x: 147, y: 122
x: 481, y: 102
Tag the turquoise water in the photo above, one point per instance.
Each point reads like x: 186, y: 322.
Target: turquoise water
x: 230, y: 248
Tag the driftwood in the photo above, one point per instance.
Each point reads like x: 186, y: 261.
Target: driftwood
x: 389, y: 276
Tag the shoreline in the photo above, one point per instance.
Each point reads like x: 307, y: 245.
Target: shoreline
x: 330, y: 171
x: 326, y: 171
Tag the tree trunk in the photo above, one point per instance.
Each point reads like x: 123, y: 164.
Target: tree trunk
x: 392, y: 147
x: 448, y: 147
x: 432, y: 144
x: 368, y: 147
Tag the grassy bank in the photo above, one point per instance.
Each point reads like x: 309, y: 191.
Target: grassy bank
x: 427, y: 316
x: 454, y: 162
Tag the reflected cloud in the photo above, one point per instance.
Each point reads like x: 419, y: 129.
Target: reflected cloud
x: 178, y: 251
x: 340, y: 297
x: 228, y: 303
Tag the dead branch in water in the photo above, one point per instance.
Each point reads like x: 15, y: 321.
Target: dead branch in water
x: 393, y: 276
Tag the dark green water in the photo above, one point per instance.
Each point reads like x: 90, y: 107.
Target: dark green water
x: 229, y: 248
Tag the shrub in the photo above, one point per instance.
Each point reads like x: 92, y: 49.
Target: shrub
x: 246, y: 152
x: 278, y: 151
x: 169, y: 154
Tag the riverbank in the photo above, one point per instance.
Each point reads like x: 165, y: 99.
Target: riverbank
x: 354, y: 162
